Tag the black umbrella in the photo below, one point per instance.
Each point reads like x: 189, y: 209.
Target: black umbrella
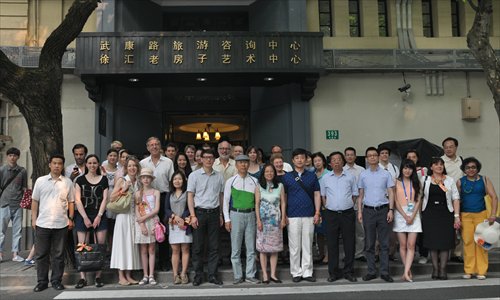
x: 425, y: 149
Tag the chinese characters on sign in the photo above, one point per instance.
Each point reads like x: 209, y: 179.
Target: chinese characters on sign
x: 239, y: 51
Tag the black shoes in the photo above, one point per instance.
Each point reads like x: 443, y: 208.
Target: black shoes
x: 275, y: 280
x: 333, y: 278
x: 57, y: 286
x: 297, y: 279
x: 350, y: 278
x: 197, y: 280
x: 369, y: 277
x: 309, y: 278
x: 361, y: 258
x: 387, y: 278
x: 215, y: 280
x: 40, y: 287
x: 80, y: 284
x: 98, y: 282
x: 457, y: 259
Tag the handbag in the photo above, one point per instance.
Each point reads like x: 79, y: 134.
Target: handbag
x: 26, y: 200
x: 159, y: 231
x: 121, y: 205
x: 90, y: 257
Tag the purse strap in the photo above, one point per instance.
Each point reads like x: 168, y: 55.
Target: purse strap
x: 16, y: 172
x: 301, y: 183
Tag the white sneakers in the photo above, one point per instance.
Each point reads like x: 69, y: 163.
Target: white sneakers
x: 469, y: 276
x: 481, y: 277
x: 422, y: 260
x: 17, y: 258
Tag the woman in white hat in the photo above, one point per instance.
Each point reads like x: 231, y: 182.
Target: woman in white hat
x: 147, y: 205
x: 473, y: 187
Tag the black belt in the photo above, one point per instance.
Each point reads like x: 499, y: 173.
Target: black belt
x: 207, y: 210
x: 341, y: 211
x: 247, y: 210
x: 376, y: 207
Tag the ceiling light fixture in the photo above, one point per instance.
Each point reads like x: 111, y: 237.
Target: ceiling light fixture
x: 133, y: 79
x: 201, y: 79
x: 268, y: 78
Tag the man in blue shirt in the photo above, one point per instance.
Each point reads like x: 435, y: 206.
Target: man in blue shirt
x: 338, y: 193
x: 376, y: 212
x: 303, y: 211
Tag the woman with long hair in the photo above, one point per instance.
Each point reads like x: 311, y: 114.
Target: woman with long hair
x: 91, y: 194
x: 407, y: 222
x: 181, y: 163
x: 125, y: 253
x: 254, y: 168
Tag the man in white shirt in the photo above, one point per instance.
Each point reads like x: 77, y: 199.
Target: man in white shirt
x: 240, y: 220
x: 163, y: 168
x: 224, y: 164
x: 52, y: 211
x: 452, y: 163
x: 352, y: 168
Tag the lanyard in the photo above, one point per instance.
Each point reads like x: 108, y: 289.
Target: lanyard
x: 404, y: 189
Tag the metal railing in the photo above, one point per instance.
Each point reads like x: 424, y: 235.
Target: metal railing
x: 333, y: 59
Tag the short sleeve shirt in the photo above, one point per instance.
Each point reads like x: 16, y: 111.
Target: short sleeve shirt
x: 206, y: 187
x: 338, y: 190
x: 53, y: 196
x: 375, y: 185
x: 13, y: 193
x: 91, y: 195
x: 163, y: 172
x: 299, y: 202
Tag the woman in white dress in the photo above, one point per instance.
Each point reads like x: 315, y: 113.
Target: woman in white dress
x: 125, y: 253
x: 407, y: 222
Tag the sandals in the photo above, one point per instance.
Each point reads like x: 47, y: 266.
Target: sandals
x: 80, y: 284
x: 152, y: 280
x: 144, y: 281
x: 184, y: 279
x: 98, y: 282
x: 177, y: 279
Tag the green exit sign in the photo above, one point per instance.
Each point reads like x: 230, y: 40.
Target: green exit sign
x: 332, y: 134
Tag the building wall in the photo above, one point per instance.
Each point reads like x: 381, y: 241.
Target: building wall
x: 367, y: 109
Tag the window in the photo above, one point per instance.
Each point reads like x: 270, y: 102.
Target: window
x: 325, y: 17
x: 354, y: 21
x: 455, y: 18
x: 427, y: 18
x: 383, y: 29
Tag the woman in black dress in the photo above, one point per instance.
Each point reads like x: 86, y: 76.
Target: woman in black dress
x: 440, y: 215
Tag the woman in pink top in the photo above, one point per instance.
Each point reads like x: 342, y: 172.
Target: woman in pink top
x: 407, y: 217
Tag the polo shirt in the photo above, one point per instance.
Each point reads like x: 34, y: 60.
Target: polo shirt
x: 247, y: 184
x: 13, y: 193
x: 53, y: 196
x: 228, y: 171
x: 375, y: 185
x: 163, y: 171
x: 338, y: 190
x: 206, y: 188
x: 453, y: 167
x: 299, y: 202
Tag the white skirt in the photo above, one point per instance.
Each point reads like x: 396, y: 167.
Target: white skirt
x: 178, y: 236
x: 400, y: 223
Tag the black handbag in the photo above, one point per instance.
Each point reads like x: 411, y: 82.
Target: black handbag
x: 90, y: 257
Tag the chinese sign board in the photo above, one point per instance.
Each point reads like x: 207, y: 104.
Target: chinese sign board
x: 188, y: 52
x: 332, y: 134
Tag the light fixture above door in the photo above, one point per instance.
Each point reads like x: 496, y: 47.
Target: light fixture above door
x: 209, y: 131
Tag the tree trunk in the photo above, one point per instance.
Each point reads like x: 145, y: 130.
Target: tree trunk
x: 37, y: 92
x: 479, y: 43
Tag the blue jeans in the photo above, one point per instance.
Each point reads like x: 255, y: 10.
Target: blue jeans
x: 15, y: 215
x: 243, y: 226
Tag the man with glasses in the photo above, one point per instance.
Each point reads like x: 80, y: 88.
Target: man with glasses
x: 224, y: 164
x: 376, y: 212
x: 163, y: 168
x: 205, y: 189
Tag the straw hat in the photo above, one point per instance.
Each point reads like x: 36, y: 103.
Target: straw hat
x: 147, y: 172
x: 487, y: 236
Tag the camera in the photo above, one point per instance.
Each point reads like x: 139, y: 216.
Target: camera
x: 404, y: 88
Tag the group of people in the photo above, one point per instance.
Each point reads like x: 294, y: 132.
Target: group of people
x: 263, y: 206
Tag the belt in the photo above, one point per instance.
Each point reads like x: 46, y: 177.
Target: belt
x: 247, y: 210
x: 207, y: 210
x: 376, y: 207
x: 341, y: 211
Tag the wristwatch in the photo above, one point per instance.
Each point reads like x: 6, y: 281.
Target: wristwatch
x: 70, y: 217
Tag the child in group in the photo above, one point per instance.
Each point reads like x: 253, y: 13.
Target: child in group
x: 176, y: 211
x: 147, y: 206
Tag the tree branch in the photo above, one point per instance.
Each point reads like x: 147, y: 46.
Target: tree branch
x: 10, y: 76
x: 65, y: 33
x: 473, y: 5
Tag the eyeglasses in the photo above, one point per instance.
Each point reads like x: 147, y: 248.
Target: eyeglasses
x: 225, y: 149
x: 372, y: 155
x: 207, y: 157
x: 471, y: 167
